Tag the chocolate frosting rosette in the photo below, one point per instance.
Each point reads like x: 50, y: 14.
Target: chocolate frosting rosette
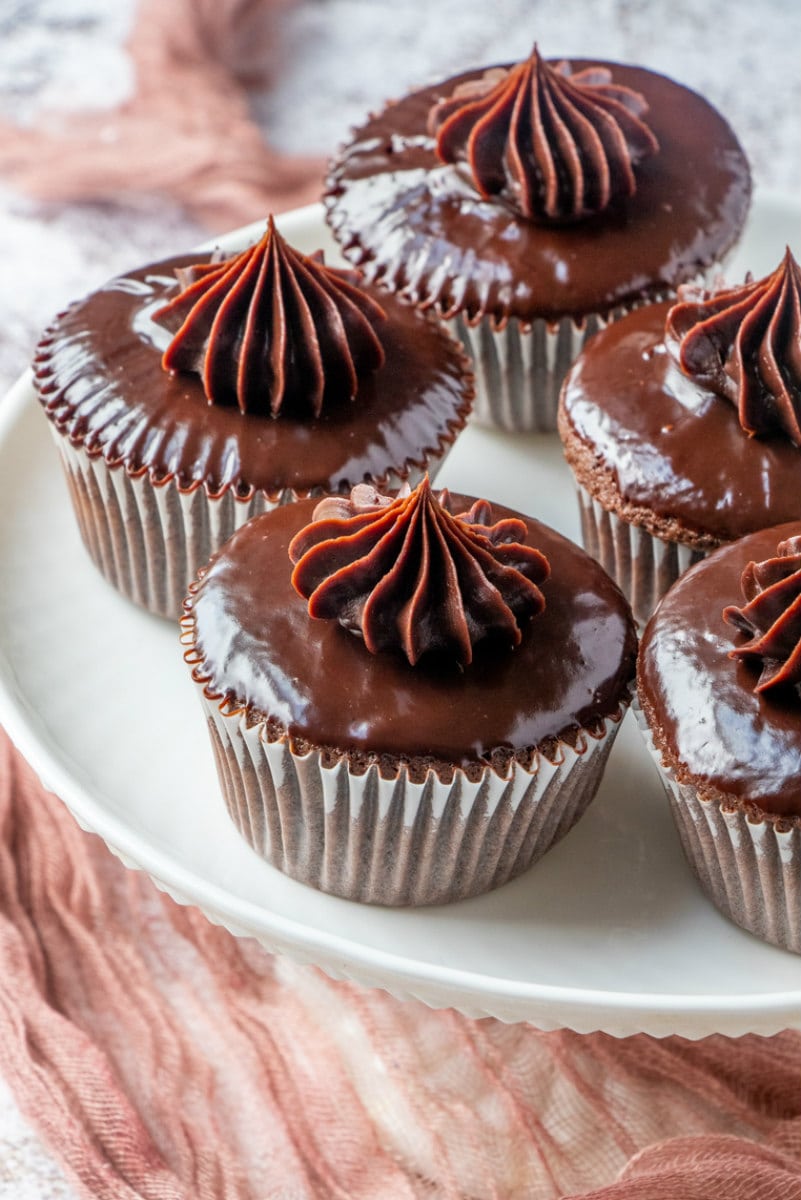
x: 682, y: 425
x: 744, y: 344
x: 719, y: 686
x: 411, y: 697
x: 771, y: 616
x: 408, y: 574
x: 531, y: 204
x: 555, y: 146
x: 192, y: 394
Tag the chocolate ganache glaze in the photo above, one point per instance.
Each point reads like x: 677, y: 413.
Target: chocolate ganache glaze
x: 99, y: 376
x: 255, y: 643
x: 420, y: 228
x: 712, y: 725
x: 664, y: 451
x: 407, y: 573
x: 556, y: 146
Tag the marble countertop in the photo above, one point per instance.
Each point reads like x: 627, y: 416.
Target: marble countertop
x: 340, y: 58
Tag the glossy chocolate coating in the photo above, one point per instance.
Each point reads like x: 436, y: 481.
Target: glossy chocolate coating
x: 417, y: 226
x: 707, y: 719
x: 674, y: 447
x: 259, y: 645
x: 99, y: 375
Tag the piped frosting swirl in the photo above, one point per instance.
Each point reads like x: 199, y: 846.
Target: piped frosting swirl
x: 272, y: 330
x: 744, y: 344
x: 557, y: 147
x: 408, y: 574
x: 771, y: 616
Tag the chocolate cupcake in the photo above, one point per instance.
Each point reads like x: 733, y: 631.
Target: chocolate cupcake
x: 423, y: 706
x: 719, y: 674
x: 532, y: 204
x: 190, y: 395
x: 682, y: 430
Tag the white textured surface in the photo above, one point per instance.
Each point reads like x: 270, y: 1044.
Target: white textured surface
x: 347, y: 56
x: 27, y: 1171
x: 341, y: 57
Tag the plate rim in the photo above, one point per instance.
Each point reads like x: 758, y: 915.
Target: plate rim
x: 543, y: 1004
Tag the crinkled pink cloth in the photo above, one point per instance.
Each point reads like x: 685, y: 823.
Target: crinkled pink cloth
x: 160, y: 1057
x: 186, y: 133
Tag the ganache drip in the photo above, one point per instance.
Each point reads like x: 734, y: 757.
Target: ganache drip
x: 557, y: 147
x: 772, y: 616
x: 272, y: 330
x: 744, y: 344
x: 407, y: 573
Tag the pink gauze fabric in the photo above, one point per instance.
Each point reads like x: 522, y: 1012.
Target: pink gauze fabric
x: 159, y: 1057
x: 186, y: 132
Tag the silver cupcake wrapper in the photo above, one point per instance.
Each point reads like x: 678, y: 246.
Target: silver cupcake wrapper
x: 643, y: 566
x: 750, y: 868
x: 520, y: 368
x: 150, y: 539
x: 396, y: 841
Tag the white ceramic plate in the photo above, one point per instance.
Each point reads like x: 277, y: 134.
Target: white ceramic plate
x: 609, y: 931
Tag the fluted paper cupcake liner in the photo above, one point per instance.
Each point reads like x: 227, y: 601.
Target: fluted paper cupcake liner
x: 149, y: 539
x: 749, y: 866
x: 395, y: 841
x: 642, y: 565
x: 519, y: 368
